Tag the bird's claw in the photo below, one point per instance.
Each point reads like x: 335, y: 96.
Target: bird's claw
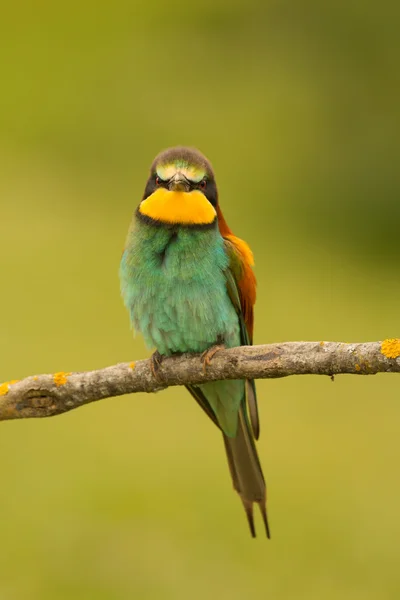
x: 155, y: 364
x: 208, y: 355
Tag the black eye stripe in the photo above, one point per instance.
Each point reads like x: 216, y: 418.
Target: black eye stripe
x: 210, y: 191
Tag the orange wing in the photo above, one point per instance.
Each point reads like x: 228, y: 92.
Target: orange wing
x: 241, y: 267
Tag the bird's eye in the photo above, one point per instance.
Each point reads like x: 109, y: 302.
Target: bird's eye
x: 203, y: 184
x: 158, y: 180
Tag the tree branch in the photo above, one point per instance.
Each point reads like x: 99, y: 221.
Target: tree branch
x: 48, y: 395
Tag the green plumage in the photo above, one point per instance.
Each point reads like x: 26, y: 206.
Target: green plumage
x: 173, y: 281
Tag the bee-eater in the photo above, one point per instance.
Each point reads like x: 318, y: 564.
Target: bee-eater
x: 189, y: 286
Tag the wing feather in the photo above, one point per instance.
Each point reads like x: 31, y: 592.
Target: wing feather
x: 241, y: 286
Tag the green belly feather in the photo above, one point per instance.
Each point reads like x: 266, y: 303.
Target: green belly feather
x: 173, y: 284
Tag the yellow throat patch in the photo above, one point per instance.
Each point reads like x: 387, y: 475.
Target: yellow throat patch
x: 185, y: 208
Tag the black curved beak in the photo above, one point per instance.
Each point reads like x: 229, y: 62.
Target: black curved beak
x: 179, y: 183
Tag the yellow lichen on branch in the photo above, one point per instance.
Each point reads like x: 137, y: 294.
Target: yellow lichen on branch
x: 4, y: 387
x: 391, y: 348
x: 61, y: 378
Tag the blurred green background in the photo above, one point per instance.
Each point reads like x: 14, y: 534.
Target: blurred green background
x: 297, y: 105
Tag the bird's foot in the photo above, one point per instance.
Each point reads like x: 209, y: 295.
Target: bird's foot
x: 209, y: 354
x: 155, y: 364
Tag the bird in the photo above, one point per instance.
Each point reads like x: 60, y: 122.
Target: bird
x: 189, y: 286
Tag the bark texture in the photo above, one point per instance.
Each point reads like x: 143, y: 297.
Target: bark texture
x: 48, y: 395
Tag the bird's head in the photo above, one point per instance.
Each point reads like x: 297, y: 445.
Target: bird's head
x: 181, y: 190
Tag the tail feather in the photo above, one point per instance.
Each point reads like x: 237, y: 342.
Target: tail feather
x: 246, y: 472
x: 253, y: 408
x: 248, y: 509
x: 263, y: 510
